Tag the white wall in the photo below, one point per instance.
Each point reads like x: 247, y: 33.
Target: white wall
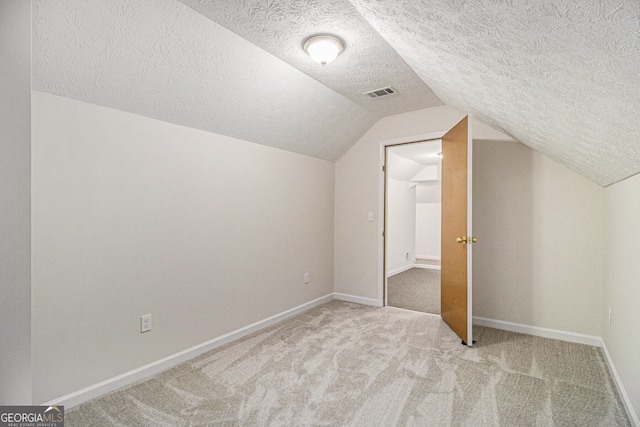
x: 357, y: 268
x: 15, y: 202
x: 541, y: 230
x: 401, y: 221
x: 540, y: 227
x: 429, y: 192
x: 134, y: 216
x: 428, y: 230
x: 358, y: 256
x: 622, y: 283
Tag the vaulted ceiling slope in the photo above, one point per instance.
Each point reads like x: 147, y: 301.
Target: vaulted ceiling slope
x: 561, y: 76
x: 161, y: 59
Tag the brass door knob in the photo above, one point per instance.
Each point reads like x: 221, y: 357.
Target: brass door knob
x: 464, y: 240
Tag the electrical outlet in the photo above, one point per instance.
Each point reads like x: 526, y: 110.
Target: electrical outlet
x: 306, y: 277
x: 406, y: 256
x: 609, y: 315
x: 145, y: 324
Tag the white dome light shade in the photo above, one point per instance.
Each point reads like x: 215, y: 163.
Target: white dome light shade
x: 323, y: 49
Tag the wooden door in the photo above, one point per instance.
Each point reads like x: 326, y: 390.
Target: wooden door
x: 456, y: 230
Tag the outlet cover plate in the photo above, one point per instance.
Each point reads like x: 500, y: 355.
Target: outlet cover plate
x: 145, y: 323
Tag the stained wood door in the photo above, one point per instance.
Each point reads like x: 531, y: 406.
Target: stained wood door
x: 456, y: 230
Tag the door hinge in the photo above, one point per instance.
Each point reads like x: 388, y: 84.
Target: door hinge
x: 382, y: 168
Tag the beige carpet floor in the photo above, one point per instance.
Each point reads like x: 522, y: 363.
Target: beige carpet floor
x: 344, y: 364
x: 416, y: 289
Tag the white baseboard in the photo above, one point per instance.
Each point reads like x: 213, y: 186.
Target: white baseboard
x: 399, y: 270
x: 356, y: 299
x: 430, y: 258
x: 96, y: 390
x: 626, y: 402
x: 538, y: 331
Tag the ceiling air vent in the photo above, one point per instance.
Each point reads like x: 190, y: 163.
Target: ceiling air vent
x: 381, y: 92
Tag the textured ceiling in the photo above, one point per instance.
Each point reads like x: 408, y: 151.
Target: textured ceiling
x: 161, y: 59
x: 368, y: 62
x: 561, y: 76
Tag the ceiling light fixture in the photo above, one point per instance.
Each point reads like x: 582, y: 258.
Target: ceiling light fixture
x: 323, y: 48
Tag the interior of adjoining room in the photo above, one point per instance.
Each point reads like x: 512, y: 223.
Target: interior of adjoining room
x: 413, y: 225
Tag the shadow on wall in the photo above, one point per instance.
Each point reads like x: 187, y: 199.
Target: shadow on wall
x: 503, y: 222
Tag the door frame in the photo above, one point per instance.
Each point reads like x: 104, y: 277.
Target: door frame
x: 382, y: 197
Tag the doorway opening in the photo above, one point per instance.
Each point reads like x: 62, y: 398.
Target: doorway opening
x: 456, y: 284
x: 413, y: 225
